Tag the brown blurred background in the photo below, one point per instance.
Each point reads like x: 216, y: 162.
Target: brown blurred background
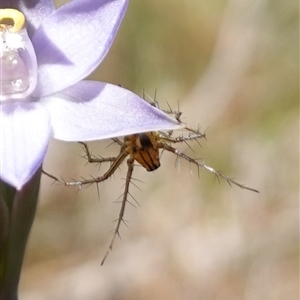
x: 233, y: 68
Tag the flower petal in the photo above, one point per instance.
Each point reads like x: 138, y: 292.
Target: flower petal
x: 92, y: 110
x: 24, y: 134
x: 35, y: 12
x: 73, y: 40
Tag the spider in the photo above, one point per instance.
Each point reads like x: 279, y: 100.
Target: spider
x: 144, y: 149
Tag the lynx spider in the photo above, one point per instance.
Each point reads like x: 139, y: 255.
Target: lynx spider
x: 143, y: 148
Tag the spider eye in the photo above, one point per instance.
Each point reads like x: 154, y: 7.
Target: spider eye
x: 145, y: 141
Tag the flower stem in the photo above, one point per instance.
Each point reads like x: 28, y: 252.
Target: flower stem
x: 17, y: 211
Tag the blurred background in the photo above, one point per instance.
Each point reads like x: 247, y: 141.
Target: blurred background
x: 232, y: 67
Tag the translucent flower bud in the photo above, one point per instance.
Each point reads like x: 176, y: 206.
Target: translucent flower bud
x: 18, y: 65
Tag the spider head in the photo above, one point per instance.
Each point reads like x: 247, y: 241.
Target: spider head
x: 143, y: 148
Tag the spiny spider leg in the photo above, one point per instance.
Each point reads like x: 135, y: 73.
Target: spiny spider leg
x: 177, y: 113
x: 230, y: 181
x: 117, y: 141
x: 116, y: 163
x: 130, y: 164
x: 51, y: 176
x: 151, y: 100
x: 180, y: 139
x: 92, y: 159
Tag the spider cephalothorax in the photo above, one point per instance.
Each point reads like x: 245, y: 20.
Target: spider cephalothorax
x: 144, y: 149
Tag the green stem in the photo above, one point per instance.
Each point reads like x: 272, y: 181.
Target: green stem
x: 17, y: 211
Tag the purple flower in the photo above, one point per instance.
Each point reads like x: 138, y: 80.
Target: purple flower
x: 69, y: 43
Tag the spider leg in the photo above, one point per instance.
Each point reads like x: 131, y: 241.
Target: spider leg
x: 152, y: 101
x: 93, y: 159
x: 230, y: 181
x: 117, y: 141
x: 130, y: 164
x: 51, y: 176
x: 116, y: 163
x: 179, y: 139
